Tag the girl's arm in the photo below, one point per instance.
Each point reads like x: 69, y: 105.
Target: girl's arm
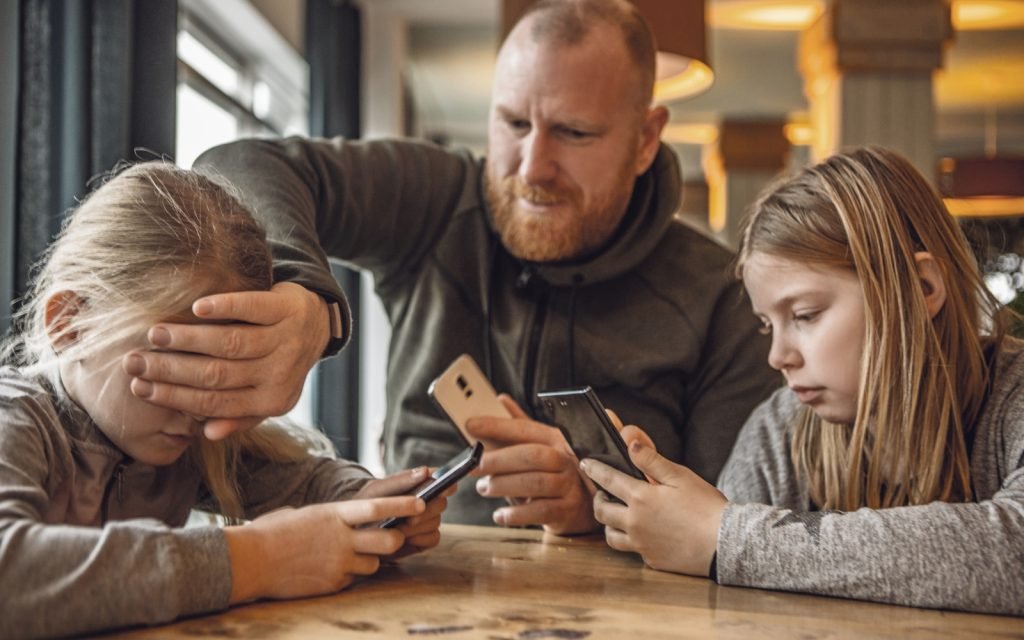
x: 942, y: 555
x: 60, y: 579
x: 966, y: 556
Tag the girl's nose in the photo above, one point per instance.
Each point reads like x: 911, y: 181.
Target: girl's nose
x: 782, y: 355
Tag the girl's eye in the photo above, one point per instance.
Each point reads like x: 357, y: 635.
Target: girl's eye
x: 765, y: 329
x: 804, y: 316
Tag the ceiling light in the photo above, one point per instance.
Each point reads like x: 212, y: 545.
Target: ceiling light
x: 799, y: 134
x: 770, y: 15
x: 988, y: 14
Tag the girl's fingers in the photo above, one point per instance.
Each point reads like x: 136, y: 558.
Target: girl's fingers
x: 365, y: 565
x: 618, y: 540
x: 359, y: 512
x: 377, y: 542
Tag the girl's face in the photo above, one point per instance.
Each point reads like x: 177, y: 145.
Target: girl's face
x: 815, y: 316
x: 145, y: 432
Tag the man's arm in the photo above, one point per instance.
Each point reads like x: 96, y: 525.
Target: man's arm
x: 379, y: 205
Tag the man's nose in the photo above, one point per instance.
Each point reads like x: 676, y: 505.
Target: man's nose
x: 538, y: 164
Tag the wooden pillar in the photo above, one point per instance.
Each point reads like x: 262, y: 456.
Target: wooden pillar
x: 867, y: 67
x: 746, y: 157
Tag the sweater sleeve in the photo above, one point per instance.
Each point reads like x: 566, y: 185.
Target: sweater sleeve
x: 271, y: 485
x: 967, y: 556
x: 379, y: 205
x: 59, y: 579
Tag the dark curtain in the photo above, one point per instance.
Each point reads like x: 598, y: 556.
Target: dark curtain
x: 332, y: 51
x: 96, y: 82
x: 9, y: 12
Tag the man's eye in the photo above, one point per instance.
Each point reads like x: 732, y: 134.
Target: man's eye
x: 575, y: 134
x: 518, y: 125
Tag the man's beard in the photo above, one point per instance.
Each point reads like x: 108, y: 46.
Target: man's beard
x: 567, y: 234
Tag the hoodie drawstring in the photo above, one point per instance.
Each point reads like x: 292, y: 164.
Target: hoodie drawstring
x: 492, y: 269
x: 577, y: 279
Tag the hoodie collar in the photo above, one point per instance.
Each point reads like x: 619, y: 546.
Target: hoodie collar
x: 654, y: 202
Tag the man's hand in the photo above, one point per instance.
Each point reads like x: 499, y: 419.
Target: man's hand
x: 533, y: 462
x: 248, y: 362
x: 671, y: 521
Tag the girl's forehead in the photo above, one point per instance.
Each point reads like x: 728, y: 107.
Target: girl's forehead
x: 772, y: 280
x: 759, y: 262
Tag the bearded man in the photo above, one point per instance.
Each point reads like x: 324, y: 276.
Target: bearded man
x: 555, y: 262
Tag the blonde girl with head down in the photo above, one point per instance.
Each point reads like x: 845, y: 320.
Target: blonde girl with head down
x: 94, y: 482
x: 891, y: 466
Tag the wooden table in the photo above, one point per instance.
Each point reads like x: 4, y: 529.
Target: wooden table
x: 517, y: 584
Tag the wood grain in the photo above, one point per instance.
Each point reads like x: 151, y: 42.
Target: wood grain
x: 510, y: 584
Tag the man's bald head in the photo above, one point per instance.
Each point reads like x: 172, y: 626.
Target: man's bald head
x: 566, y: 23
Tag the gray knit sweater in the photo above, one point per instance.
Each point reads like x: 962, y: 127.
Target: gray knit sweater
x: 90, y: 539
x: 967, y: 556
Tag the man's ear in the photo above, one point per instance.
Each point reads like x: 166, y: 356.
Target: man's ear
x: 933, y: 283
x: 650, y: 137
x: 61, y: 309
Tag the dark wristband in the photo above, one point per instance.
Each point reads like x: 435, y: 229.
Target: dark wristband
x: 338, y: 336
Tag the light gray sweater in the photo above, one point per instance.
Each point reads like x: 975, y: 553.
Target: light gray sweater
x: 967, y: 556
x: 90, y: 539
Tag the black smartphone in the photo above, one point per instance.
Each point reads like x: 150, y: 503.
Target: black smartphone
x: 445, y: 476
x: 581, y: 418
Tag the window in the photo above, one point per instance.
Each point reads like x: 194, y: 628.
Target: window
x: 237, y: 77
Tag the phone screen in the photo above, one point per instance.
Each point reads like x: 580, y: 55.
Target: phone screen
x: 582, y: 419
x: 444, y: 477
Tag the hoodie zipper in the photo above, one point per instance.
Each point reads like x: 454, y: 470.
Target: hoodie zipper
x: 529, y: 378
x: 119, y: 482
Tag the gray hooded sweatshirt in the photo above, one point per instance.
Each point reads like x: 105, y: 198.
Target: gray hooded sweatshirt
x: 90, y: 539
x: 654, y: 322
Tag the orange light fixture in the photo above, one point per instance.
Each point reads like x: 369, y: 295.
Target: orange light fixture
x: 767, y: 15
x: 983, y: 186
x: 987, y: 14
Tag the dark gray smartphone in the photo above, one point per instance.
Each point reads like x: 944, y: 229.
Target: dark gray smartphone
x: 581, y: 418
x: 445, y: 476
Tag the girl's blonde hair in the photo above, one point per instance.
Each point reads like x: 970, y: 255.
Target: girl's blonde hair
x: 923, y: 380
x: 137, y: 251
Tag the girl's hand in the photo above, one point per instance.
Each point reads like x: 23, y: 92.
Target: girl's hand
x: 421, y: 531
x: 672, y: 521
x: 291, y: 553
